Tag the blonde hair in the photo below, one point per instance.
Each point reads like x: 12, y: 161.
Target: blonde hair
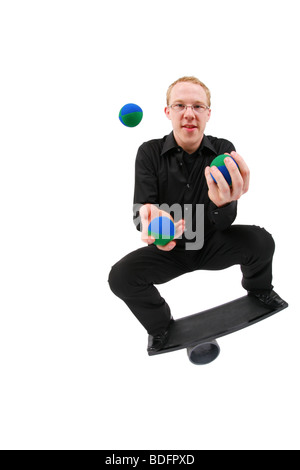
x: 194, y: 80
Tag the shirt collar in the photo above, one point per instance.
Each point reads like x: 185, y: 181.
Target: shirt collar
x: 170, y: 144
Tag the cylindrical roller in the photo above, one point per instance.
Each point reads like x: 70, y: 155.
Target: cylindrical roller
x: 203, y: 353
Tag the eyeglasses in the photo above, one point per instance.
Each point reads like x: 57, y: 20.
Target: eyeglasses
x: 180, y: 108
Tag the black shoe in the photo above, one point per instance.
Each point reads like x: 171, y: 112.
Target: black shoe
x: 157, y: 342
x: 271, y: 299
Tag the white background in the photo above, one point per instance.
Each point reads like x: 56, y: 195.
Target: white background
x: 74, y: 372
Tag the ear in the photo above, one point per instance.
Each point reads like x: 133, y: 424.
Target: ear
x: 208, y: 115
x: 167, y: 112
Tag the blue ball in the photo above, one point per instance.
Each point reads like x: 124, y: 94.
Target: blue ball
x: 162, y: 229
x: 131, y: 115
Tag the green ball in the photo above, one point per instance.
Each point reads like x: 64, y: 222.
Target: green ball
x: 131, y: 115
x: 220, y: 164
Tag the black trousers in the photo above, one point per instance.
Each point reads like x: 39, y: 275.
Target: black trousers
x: 134, y: 276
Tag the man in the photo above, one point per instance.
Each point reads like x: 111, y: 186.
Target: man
x: 174, y: 172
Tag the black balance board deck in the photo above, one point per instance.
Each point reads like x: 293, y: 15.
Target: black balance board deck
x: 208, y: 325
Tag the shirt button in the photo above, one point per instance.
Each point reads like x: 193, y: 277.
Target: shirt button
x: 188, y: 185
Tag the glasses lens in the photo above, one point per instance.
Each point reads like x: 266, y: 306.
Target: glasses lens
x: 199, y: 108
x: 178, y: 107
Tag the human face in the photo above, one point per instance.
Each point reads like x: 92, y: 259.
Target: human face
x: 188, y: 126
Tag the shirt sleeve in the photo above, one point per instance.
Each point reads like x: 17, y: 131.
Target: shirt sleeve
x: 222, y: 217
x: 146, y: 185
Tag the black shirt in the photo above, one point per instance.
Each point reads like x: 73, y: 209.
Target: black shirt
x: 164, y: 173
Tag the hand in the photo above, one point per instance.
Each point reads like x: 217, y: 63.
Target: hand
x: 149, y: 212
x: 221, y: 193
